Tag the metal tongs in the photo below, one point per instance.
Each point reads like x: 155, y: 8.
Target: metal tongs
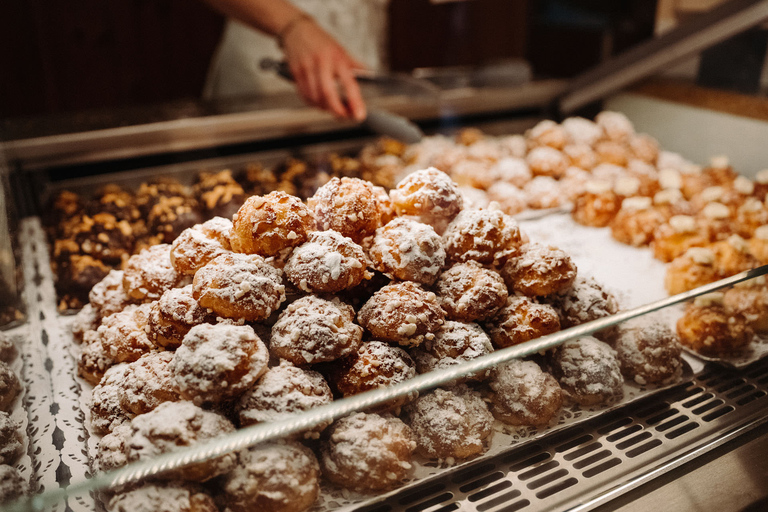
x: 379, y: 121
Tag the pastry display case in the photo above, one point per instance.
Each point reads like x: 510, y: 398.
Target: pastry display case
x: 216, y: 277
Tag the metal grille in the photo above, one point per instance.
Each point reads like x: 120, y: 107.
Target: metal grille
x: 586, y: 465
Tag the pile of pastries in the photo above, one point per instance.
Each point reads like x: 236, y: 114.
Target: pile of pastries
x: 292, y: 304
x: 12, y: 484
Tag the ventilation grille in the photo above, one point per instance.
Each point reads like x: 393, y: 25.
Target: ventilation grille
x: 572, y: 466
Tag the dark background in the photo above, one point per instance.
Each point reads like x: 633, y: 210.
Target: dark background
x: 74, y: 55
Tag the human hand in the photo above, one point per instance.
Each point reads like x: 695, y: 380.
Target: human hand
x: 320, y: 65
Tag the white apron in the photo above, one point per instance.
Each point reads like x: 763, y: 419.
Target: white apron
x: 359, y: 26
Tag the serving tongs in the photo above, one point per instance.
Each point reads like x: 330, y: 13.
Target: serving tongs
x: 262, y: 432
x: 379, y: 121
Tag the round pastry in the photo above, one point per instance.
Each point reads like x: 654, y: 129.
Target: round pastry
x: 430, y: 196
x: 547, y: 133
x: 588, y: 371
x: 268, y: 225
x: 326, y: 263
x: 510, y: 170
x: 636, y: 221
x: 171, y: 497
x: 750, y: 300
x: 124, y: 335
x: 585, y: 300
x: 171, y: 317
x: 76, y: 276
x: 347, y: 205
x: 511, y: 199
x: 12, y: 484
x: 520, y: 320
x: 147, y: 382
x: 468, y: 292
x: 467, y: 172
x: 171, y: 215
x: 547, y: 161
x: 581, y: 155
x: 106, y: 411
x: 454, y: 343
x: 112, y: 450
x: 644, y: 147
x: 315, y: 330
x: 750, y: 215
x: 273, y: 477
x: 219, y: 194
x: 102, y: 236
x: 218, y: 362
x: 574, y: 183
x: 544, y: 192
x: 474, y: 198
x: 713, y: 330
x: 376, y: 364
x: 149, y: 194
x: 237, y: 285
x: 65, y: 205
x: 367, y: 452
x: 733, y: 256
x: 449, y: 423
x: 673, y: 238
x: 94, y: 359
x: 615, y: 125
x: 716, y: 220
x: 116, y: 201
x: 524, y: 395
x: 485, y: 236
x: 149, y: 274
x: 194, y: 247
x: 7, y: 348
x: 597, y: 206
x: 582, y: 131
x: 87, y: 319
x: 696, y: 267
x: 11, y: 446
x: 648, y: 352
x: 539, y: 270
x: 403, y: 313
x: 386, y: 207
x: 175, y: 425
x: 758, y: 244
x: 612, y: 152
x: 647, y: 177
x: 282, y: 391
x: 408, y: 251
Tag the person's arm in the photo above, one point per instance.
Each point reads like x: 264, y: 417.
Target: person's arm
x: 318, y: 62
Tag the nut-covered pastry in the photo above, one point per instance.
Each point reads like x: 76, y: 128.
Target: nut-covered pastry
x: 156, y: 497
x: 282, y: 391
x: 347, y: 205
x: 449, y: 423
x: 407, y: 250
x: 175, y: 425
x: 430, y: 196
x: 267, y: 225
x: 315, y: 330
x: 713, y: 330
x: 106, y: 411
x: 237, y: 285
x: 147, y: 382
x: 750, y: 300
x: 547, y: 161
x: 11, y: 446
x: 124, y: 335
x: 8, y: 350
x: 539, y: 270
x: 108, y: 296
x: 588, y: 370
x: 585, y: 300
x: 485, y: 236
x: 94, y: 359
x: 219, y: 194
x: 403, y: 313
x: 468, y: 292
x: 198, y: 245
x: 174, y: 314
x: 676, y: 236
x: 149, y: 274
x: 696, y: 267
x: 216, y: 362
x: 454, y: 343
x: 649, y: 352
x: 367, y: 452
x: 521, y: 319
x: 597, y: 206
x: 524, y: 395
x: 273, y: 477
x: 636, y: 221
x: 327, y: 262
x: 171, y: 215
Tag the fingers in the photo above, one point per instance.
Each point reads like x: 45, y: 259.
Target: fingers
x: 330, y: 92
x: 352, y: 92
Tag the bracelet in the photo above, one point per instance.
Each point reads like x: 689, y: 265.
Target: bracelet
x: 302, y: 16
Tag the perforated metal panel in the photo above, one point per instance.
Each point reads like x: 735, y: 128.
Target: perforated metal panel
x: 586, y: 465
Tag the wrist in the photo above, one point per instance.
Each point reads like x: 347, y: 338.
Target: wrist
x: 290, y: 26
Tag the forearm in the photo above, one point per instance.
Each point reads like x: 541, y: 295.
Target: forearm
x: 270, y: 16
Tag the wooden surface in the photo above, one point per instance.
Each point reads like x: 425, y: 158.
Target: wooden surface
x: 753, y: 107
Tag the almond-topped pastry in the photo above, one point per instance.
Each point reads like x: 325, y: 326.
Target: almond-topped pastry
x: 588, y: 371
x: 524, y: 395
x: 407, y: 250
x: 429, y: 196
x: 347, y: 205
x: 327, y: 262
